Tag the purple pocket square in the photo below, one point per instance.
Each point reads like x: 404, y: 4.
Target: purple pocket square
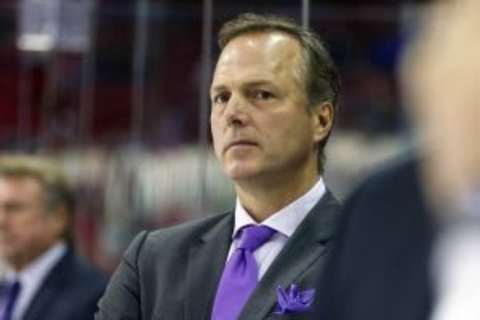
x: 293, y: 300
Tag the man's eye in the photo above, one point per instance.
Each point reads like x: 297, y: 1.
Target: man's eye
x: 263, y: 95
x: 221, y: 98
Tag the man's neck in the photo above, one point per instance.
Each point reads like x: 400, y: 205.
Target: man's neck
x: 24, y: 263
x: 263, y: 200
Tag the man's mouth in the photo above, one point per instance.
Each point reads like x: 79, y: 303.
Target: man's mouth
x: 240, y: 143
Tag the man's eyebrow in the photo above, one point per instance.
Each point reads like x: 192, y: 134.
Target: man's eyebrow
x: 249, y: 84
x: 218, y: 88
x: 256, y: 83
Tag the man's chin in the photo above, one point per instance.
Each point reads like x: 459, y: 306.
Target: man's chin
x: 238, y: 173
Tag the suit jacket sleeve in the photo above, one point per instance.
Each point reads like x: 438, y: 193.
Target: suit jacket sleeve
x: 122, y: 297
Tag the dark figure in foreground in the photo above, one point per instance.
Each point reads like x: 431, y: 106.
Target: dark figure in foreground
x: 409, y: 242
x: 380, y: 266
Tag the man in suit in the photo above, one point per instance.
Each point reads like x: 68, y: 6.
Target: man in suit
x: 409, y: 241
x: 273, y: 95
x: 45, y: 278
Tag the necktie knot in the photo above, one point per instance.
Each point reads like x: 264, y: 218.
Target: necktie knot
x: 253, y: 236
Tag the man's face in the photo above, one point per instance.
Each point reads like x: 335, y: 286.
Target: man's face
x: 26, y: 229
x: 260, y: 122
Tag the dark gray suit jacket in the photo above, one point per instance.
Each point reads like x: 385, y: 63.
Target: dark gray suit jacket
x: 173, y: 274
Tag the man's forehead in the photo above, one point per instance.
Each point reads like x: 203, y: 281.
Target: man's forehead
x: 258, y: 57
x: 252, y: 47
x: 20, y: 182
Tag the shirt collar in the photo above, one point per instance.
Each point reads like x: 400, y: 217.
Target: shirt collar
x: 39, y: 268
x: 287, y: 219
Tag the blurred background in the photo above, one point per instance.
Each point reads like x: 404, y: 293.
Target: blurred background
x: 117, y: 90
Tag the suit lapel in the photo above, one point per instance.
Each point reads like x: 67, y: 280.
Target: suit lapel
x: 40, y: 302
x: 205, y: 265
x: 304, y: 248
x: 49, y: 290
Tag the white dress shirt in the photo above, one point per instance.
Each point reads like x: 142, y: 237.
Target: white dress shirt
x: 285, y: 222
x: 32, y: 277
x: 456, y: 264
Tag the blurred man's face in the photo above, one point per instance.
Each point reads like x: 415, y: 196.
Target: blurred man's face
x: 260, y: 123
x: 26, y: 229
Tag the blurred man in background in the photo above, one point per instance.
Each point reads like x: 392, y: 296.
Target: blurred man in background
x: 409, y: 244
x: 45, y: 279
x: 273, y: 99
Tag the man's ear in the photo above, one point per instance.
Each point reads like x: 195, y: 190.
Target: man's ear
x: 59, y: 220
x: 322, y: 117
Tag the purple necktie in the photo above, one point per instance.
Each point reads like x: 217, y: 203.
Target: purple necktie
x: 10, y: 299
x: 240, y: 275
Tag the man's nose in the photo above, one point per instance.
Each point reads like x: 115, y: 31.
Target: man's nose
x: 237, y: 110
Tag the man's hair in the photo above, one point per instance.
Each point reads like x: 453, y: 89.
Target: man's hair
x: 320, y: 76
x: 51, y: 179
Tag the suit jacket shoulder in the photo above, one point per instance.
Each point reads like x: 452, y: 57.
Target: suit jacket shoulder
x: 70, y: 291
x: 154, y: 276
